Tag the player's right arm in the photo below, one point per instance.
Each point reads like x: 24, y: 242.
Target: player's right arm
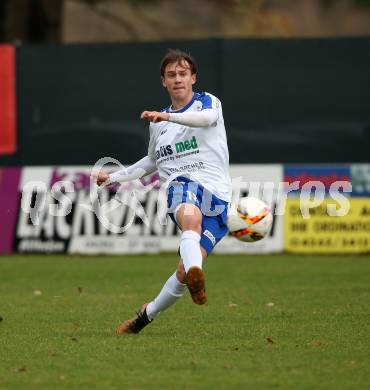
x: 143, y: 167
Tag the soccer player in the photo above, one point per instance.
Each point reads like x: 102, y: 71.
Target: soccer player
x: 188, y: 147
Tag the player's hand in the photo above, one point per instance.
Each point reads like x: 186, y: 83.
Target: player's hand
x: 154, y: 116
x: 101, y: 177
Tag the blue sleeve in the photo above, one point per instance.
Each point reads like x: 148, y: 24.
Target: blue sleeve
x: 206, y: 100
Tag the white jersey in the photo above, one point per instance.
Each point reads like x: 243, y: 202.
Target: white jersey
x: 200, y: 153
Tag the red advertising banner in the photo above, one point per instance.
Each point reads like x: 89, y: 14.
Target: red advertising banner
x: 9, y: 206
x: 8, y: 114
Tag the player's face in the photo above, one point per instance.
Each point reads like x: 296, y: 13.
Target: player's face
x: 179, y: 81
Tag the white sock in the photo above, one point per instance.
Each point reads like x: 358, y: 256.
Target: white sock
x: 170, y: 293
x: 190, y: 249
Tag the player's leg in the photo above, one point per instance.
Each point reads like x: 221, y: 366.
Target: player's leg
x: 213, y: 230
x: 180, y: 272
x: 171, y: 292
x: 189, y: 218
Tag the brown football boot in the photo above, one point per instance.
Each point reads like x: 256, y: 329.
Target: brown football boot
x: 134, y: 325
x: 196, y: 285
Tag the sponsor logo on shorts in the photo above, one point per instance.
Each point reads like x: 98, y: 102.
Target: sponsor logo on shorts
x: 211, y: 237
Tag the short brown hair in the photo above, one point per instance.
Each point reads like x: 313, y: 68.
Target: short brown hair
x: 177, y: 56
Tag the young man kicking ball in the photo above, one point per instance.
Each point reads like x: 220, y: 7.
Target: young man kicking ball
x: 188, y: 147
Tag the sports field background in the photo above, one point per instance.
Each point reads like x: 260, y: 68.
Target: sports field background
x: 289, y: 322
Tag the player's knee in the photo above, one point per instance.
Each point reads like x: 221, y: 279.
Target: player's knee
x: 190, y: 218
x: 192, y: 222
x: 180, y: 273
x: 195, y: 226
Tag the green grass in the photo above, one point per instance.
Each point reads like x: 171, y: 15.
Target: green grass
x: 316, y: 335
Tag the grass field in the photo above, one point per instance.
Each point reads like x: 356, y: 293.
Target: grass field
x: 289, y: 322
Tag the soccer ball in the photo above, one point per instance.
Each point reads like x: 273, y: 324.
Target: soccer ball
x: 249, y: 219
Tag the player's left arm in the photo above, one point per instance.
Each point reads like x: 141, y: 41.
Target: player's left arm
x: 204, y: 118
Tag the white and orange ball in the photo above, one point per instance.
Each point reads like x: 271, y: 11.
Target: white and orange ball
x: 249, y: 219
